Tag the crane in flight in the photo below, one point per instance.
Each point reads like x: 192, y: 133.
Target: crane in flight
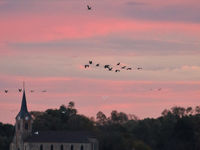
x: 89, y: 7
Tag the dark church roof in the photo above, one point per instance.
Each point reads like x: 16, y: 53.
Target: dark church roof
x: 60, y: 137
x: 23, y: 111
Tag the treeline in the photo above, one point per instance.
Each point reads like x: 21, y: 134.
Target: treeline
x: 177, y: 128
x: 6, y: 134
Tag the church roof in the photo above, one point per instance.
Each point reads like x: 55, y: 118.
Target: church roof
x: 23, y: 111
x: 60, y: 137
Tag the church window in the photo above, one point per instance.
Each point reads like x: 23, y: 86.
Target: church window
x: 26, y: 118
x: 41, y: 147
x: 61, y: 147
x: 72, y: 147
x: 51, y: 147
x: 26, y: 126
x: 81, y: 147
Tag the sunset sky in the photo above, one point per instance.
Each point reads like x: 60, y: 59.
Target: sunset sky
x: 46, y: 43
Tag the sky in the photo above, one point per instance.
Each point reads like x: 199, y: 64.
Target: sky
x: 47, y: 43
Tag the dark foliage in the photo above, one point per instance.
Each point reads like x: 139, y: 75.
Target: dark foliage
x: 177, y: 128
x: 6, y: 133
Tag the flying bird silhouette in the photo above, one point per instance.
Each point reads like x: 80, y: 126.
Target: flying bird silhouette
x: 110, y: 69
x: 86, y: 66
x: 123, y: 67
x: 89, y: 7
x: 106, y: 66
x: 90, y: 62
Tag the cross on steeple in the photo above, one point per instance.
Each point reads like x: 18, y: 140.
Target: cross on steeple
x: 23, y: 86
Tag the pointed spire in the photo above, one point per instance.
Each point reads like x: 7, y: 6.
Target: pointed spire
x: 23, y: 105
x: 23, y: 111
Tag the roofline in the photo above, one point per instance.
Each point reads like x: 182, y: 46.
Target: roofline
x: 57, y: 142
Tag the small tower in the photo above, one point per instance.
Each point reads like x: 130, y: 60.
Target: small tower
x: 23, y: 126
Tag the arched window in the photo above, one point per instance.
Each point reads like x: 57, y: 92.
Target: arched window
x: 51, y: 147
x: 72, y: 147
x: 26, y: 126
x: 82, y: 147
x: 41, y: 147
x: 61, y: 147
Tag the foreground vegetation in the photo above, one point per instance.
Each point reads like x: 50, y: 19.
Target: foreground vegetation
x: 176, y: 129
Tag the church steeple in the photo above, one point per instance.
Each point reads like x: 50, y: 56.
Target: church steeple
x: 23, y: 111
x: 23, y: 125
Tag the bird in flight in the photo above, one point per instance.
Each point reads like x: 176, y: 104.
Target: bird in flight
x: 90, y: 62
x: 110, y: 69
x: 89, y: 7
x: 123, y: 67
x: 86, y: 66
x: 106, y: 66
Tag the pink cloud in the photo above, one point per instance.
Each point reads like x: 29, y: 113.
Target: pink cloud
x: 43, y: 28
x: 28, y: 32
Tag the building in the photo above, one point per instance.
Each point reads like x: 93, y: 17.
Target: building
x: 26, y: 139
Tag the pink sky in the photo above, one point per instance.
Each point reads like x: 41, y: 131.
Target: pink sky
x: 46, y: 43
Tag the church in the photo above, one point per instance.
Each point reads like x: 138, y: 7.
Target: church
x: 26, y: 139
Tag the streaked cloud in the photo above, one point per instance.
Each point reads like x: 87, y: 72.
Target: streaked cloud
x: 46, y: 43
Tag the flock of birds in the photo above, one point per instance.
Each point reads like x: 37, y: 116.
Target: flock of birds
x: 20, y: 90
x: 43, y: 91
x: 116, y: 68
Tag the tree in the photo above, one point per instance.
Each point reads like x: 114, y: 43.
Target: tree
x: 101, y: 118
x: 71, y: 109
x: 178, y: 111
x: 133, y: 117
x: 71, y: 105
x: 189, y: 111
x: 6, y: 134
x: 197, y: 109
x: 118, y: 117
x: 165, y: 112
